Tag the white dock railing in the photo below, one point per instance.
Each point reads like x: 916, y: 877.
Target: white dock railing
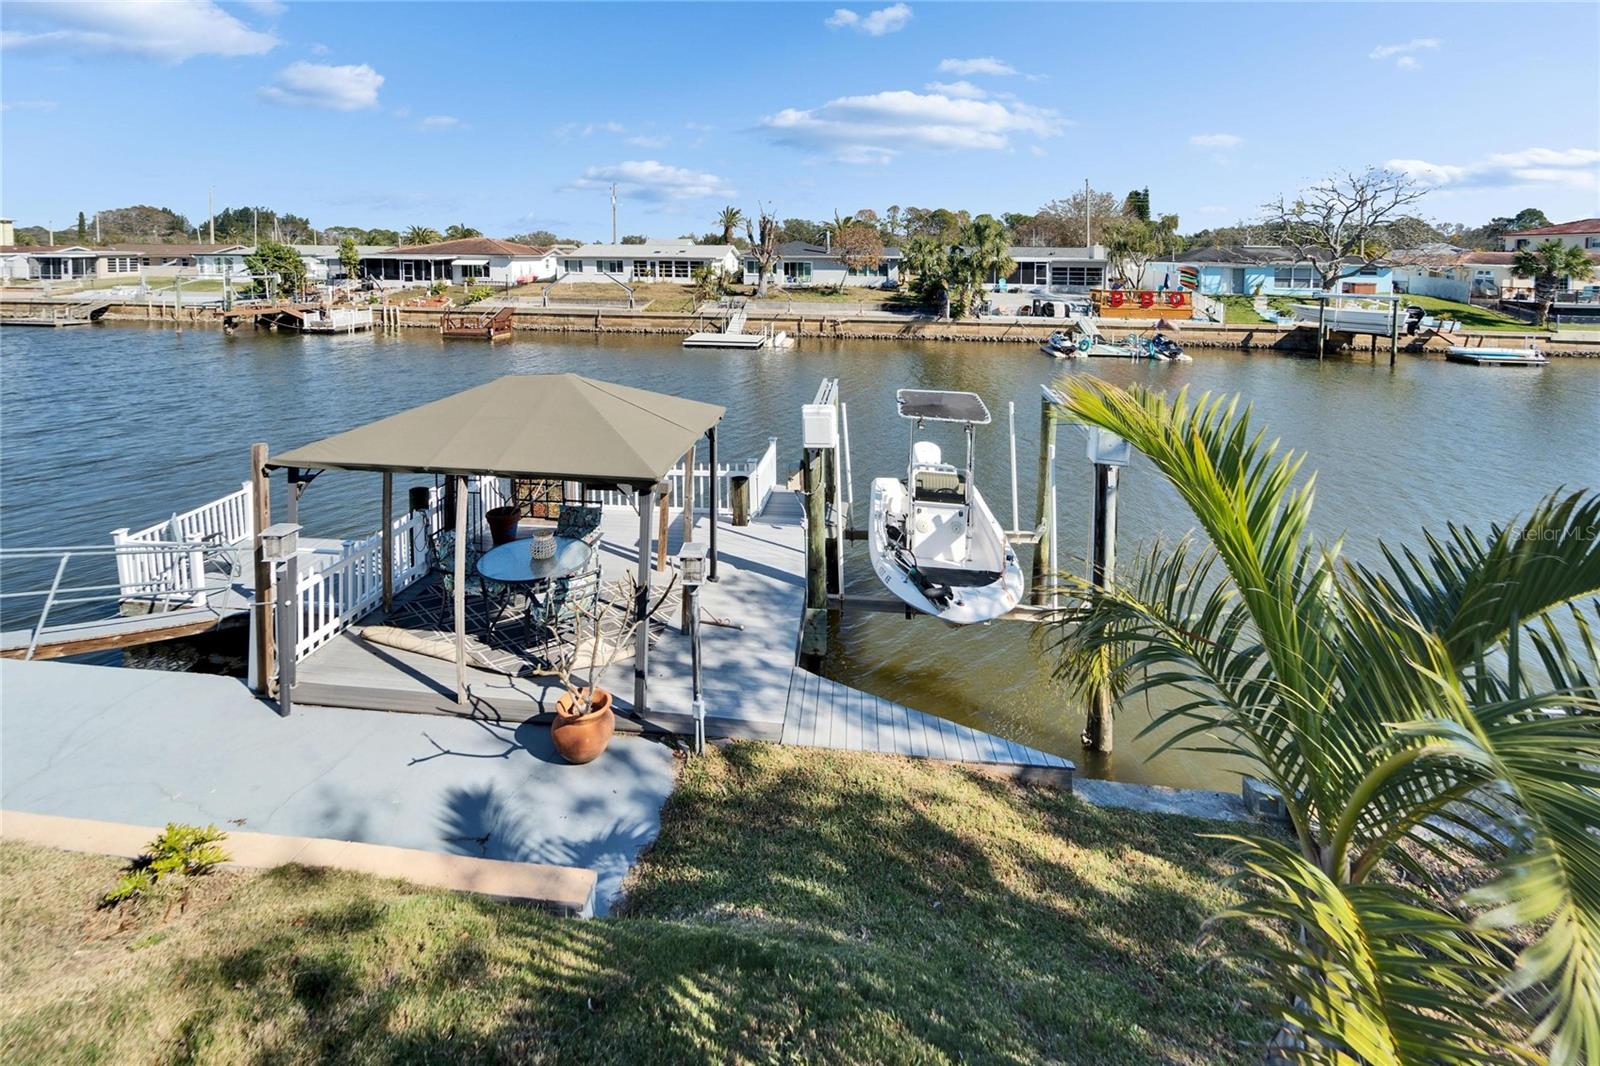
x: 333, y: 597
x: 170, y: 574
x: 762, y: 472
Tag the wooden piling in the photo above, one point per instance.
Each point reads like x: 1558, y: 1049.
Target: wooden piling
x: 260, y: 519
x: 1041, y: 578
x: 814, y: 635
x: 1097, y: 732
x: 739, y: 498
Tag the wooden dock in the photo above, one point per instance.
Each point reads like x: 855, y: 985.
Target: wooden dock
x: 753, y: 687
x: 494, y: 325
x: 826, y: 714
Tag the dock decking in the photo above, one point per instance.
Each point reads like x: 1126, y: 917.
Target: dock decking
x: 752, y: 687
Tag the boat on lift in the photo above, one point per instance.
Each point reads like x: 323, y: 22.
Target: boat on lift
x: 933, y: 541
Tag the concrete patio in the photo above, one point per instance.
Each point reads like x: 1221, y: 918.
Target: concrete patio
x: 147, y: 747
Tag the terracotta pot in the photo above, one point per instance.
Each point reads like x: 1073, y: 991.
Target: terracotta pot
x: 502, y: 524
x: 581, y: 735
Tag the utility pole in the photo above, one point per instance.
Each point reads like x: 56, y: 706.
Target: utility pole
x: 613, y: 212
x: 255, y: 227
x: 211, y: 210
x: 1088, y: 210
x: 97, y: 227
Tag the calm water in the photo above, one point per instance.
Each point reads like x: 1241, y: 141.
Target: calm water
x: 112, y: 426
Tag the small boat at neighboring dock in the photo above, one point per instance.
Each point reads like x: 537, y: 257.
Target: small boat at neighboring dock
x: 933, y: 541
x: 1063, y: 345
x: 1529, y: 356
x: 1346, y: 318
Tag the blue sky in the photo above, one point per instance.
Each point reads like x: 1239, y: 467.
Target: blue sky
x: 513, y: 117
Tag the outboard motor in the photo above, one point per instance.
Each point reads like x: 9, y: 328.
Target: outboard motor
x: 1413, y: 320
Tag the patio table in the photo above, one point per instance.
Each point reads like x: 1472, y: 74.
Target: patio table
x: 512, y: 564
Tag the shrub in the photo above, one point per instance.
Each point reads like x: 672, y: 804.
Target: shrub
x: 188, y: 850
x: 476, y: 293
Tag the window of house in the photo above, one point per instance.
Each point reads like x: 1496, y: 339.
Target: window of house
x: 1591, y: 242
x: 1294, y: 277
x: 608, y: 266
x: 677, y: 268
x: 573, y: 266
x: 797, y: 271
x: 751, y: 266
x: 474, y: 270
x: 644, y: 268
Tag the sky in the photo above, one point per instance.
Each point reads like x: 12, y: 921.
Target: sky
x: 515, y: 117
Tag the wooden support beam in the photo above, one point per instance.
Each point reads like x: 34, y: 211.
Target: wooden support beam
x: 288, y: 604
x: 1097, y: 733
x: 1048, y: 418
x: 814, y: 637
x: 260, y: 519
x: 662, y: 526
x: 641, y: 602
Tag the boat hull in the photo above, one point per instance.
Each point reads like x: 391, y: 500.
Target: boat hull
x: 1497, y: 356
x: 969, y: 604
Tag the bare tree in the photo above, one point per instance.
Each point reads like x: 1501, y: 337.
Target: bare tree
x: 1338, y: 225
x: 859, y: 247
x: 763, y: 246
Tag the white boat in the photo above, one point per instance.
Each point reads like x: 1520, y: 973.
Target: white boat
x: 1063, y: 345
x: 1347, y: 319
x: 934, y: 542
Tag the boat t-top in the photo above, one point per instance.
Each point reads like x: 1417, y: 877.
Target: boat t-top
x: 934, y: 542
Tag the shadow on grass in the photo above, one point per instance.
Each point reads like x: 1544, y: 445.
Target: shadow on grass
x: 798, y: 905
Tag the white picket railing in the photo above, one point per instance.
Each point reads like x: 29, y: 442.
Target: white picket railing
x: 332, y: 597
x: 171, y: 574
x: 762, y: 472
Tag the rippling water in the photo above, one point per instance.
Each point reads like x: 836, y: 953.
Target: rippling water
x: 109, y: 426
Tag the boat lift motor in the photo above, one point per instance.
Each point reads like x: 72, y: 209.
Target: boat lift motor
x: 692, y: 568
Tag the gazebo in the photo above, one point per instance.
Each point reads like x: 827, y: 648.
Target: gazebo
x: 556, y: 427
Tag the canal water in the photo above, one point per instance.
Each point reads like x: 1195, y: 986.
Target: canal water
x: 113, y: 426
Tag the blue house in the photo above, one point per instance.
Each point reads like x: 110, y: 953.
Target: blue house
x: 1252, y: 270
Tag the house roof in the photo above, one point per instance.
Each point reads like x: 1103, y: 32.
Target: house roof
x: 47, y: 249
x: 557, y: 426
x: 470, y: 246
x: 653, y: 249
x: 1504, y: 258
x: 1018, y: 251
x: 1582, y: 225
x: 804, y: 250
x: 1248, y: 255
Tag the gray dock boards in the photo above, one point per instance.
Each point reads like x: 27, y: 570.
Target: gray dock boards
x: 821, y: 713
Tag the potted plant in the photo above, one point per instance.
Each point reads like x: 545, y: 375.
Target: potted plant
x: 584, y: 721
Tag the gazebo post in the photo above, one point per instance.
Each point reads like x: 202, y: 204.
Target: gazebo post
x: 461, y: 589
x: 716, y: 500
x: 641, y: 605
x: 289, y: 603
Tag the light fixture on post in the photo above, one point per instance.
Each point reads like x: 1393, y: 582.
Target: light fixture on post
x: 280, y: 541
x: 692, y: 571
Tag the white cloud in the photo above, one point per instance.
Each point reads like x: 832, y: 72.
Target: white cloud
x: 650, y: 180
x: 875, y: 23
x: 980, y: 65
x: 344, y: 88
x: 170, y: 30
x: 28, y: 105
x: 876, y: 127
x: 433, y: 123
x: 1404, y: 55
x: 644, y: 140
x: 963, y: 90
x: 1216, y: 140
x: 268, y: 8
x: 1577, y: 168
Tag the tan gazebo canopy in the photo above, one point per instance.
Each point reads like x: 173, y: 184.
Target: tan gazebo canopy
x: 557, y: 426
x: 560, y: 427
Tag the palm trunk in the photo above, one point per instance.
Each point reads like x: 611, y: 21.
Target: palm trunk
x: 1545, y: 291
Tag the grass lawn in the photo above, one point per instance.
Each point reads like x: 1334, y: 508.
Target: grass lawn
x: 799, y: 906
x: 1238, y: 310
x: 658, y: 295
x: 1471, y: 316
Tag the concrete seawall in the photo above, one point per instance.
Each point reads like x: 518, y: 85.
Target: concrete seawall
x: 844, y: 326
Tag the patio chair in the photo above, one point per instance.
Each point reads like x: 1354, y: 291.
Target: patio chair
x: 442, y: 560
x: 580, y: 522
x: 567, y: 599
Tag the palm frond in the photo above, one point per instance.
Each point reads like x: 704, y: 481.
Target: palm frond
x: 1369, y: 973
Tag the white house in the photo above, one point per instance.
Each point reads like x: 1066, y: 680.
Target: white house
x: 801, y: 265
x: 1584, y: 233
x: 469, y: 260
x: 1057, y: 269
x: 651, y: 261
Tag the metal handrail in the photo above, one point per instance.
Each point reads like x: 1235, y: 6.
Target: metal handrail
x: 65, y: 554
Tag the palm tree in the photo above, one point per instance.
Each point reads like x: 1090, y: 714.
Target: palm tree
x: 730, y: 220
x: 461, y: 230
x: 984, y: 253
x: 420, y: 235
x: 1444, y: 702
x: 1547, y: 264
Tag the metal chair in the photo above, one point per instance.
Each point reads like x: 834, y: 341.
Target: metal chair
x: 579, y: 522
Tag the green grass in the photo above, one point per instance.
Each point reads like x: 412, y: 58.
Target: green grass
x: 799, y: 906
x: 1470, y: 316
x: 1239, y: 310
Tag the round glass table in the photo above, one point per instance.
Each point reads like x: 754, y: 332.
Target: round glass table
x: 513, y: 563
x: 513, y: 567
